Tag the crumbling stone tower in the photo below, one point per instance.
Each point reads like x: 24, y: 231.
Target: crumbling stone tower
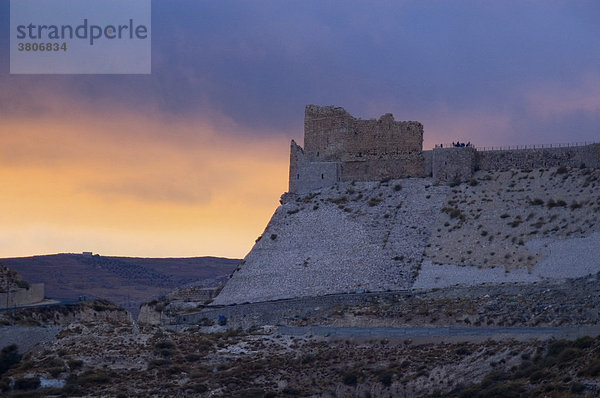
x: 339, y: 147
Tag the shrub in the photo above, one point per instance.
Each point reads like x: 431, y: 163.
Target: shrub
x: 583, y: 342
x: 473, y: 182
x: 561, y: 170
x: 75, y: 364
x: 556, y: 347
x: 23, y: 284
x: 27, y: 383
x: 592, y: 369
x: 9, y: 357
x: 569, y: 354
x: 273, y: 236
x: 385, y: 377
x: 164, y: 344
x: 453, y: 212
x: 462, y: 351
x: 397, y: 187
x: 350, y: 379
x: 78, y: 384
x: 537, y: 202
x: 158, y: 363
x: 374, y: 201
x: 538, y: 376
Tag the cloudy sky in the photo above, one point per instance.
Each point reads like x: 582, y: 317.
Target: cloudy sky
x: 191, y: 160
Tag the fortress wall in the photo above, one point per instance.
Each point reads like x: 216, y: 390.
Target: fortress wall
x: 503, y: 160
x: 452, y: 164
x: 20, y: 297
x: 458, y: 164
x: 339, y: 147
x: 308, y: 176
x: 315, y: 175
x: 428, y: 166
x: 332, y: 134
x: 409, y: 165
x: 325, y: 129
x: 382, y: 139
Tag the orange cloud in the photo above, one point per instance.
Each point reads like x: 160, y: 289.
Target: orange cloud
x: 129, y: 185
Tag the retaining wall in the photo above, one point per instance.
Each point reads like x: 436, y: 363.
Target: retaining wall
x: 20, y: 297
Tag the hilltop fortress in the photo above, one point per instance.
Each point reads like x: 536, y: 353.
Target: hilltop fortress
x: 369, y: 210
x: 339, y: 147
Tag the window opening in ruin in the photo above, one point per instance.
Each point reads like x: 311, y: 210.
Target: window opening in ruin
x: 322, y: 176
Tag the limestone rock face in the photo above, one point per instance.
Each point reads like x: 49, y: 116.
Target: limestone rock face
x: 505, y: 226
x: 361, y: 236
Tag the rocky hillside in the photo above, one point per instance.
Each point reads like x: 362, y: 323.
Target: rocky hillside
x: 511, y: 226
x: 115, y: 359
x: 524, y: 225
x: 10, y: 280
x: 355, y: 236
x: 127, y: 281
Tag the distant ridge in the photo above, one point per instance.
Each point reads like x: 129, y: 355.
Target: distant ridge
x: 127, y: 281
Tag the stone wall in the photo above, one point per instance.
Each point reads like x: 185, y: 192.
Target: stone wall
x: 458, y: 164
x: 20, y: 297
x: 589, y: 155
x: 428, y: 159
x: 332, y: 134
x: 194, y: 293
x: 453, y: 164
x: 339, y: 147
x: 307, y: 176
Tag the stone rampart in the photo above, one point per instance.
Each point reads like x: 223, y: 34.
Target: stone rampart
x: 588, y: 155
x: 453, y: 164
x: 20, y: 297
x: 458, y: 164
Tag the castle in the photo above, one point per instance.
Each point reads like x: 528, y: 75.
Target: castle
x: 353, y: 220
x: 339, y: 147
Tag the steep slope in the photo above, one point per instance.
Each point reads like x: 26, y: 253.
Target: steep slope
x: 524, y: 225
x: 509, y: 226
x: 355, y: 236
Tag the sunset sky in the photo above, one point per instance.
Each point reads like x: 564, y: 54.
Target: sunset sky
x: 192, y: 159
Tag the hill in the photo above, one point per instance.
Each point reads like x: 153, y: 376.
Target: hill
x: 501, y: 226
x: 127, y: 281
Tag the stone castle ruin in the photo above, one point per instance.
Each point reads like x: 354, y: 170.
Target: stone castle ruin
x: 339, y: 147
x: 369, y: 210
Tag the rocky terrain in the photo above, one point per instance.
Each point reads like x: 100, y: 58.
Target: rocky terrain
x: 505, y: 226
x: 95, y: 349
x: 10, y: 279
x: 127, y: 281
x: 117, y: 359
x: 493, y: 220
x: 540, y: 304
x: 355, y: 236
